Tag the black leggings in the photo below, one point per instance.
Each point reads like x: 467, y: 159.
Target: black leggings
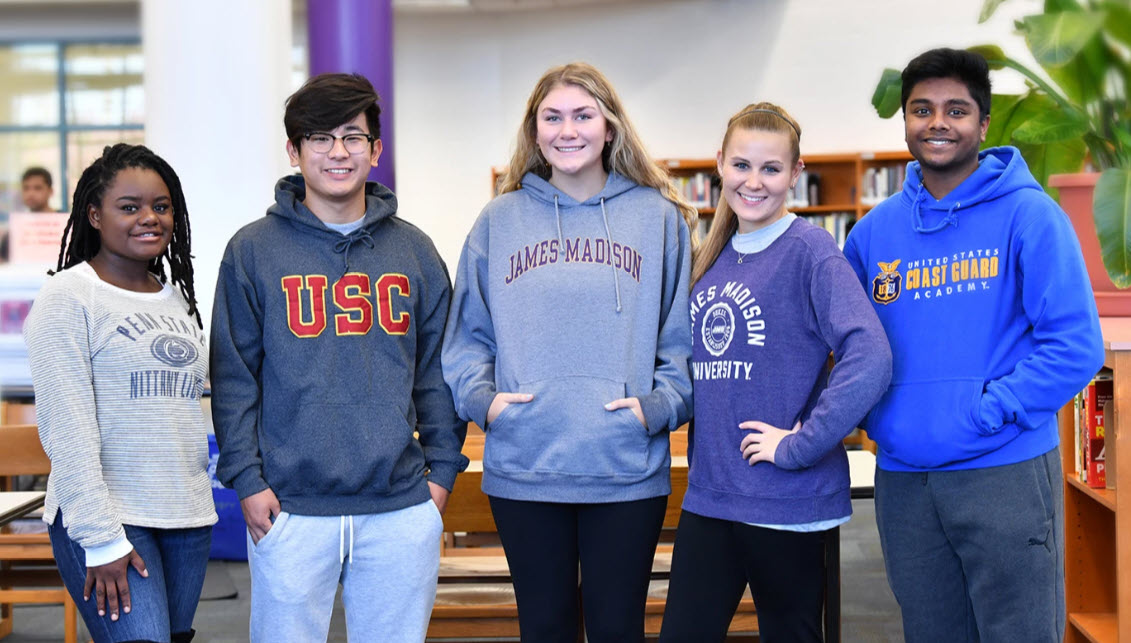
x: 713, y: 562
x: 615, y: 544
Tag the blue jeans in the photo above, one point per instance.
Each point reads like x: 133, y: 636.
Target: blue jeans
x: 162, y: 604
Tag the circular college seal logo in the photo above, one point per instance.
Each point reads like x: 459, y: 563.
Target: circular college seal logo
x: 173, y: 350
x: 718, y: 328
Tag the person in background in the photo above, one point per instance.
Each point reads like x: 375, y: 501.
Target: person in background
x: 977, y: 277
x: 772, y: 296
x: 568, y: 341
x: 35, y: 193
x: 118, y: 360
x: 36, y: 190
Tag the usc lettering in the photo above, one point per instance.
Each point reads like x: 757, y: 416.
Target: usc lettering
x: 306, y: 304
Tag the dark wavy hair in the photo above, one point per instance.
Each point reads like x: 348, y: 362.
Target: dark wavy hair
x: 966, y: 67
x: 81, y: 241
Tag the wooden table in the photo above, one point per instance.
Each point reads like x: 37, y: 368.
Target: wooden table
x: 14, y: 504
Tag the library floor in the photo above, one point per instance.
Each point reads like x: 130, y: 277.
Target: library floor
x: 869, y: 612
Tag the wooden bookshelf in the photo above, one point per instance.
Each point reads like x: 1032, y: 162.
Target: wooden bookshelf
x: 1097, y: 545
x: 840, y: 190
x: 841, y: 179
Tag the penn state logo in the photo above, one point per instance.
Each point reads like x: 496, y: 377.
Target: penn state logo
x: 718, y: 328
x: 887, y: 285
x: 173, y: 350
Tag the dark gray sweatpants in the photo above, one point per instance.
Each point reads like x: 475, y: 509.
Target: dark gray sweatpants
x: 976, y: 555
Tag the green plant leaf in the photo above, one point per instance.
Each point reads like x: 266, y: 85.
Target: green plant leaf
x: 1008, y: 112
x: 992, y: 53
x: 1063, y: 157
x: 1082, y: 78
x: 886, y: 98
x: 1111, y: 209
x: 1002, y: 112
x: 1051, y: 127
x: 1118, y: 22
x: 988, y: 9
x: 1055, y: 38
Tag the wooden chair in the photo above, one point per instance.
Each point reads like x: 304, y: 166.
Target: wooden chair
x: 27, y: 564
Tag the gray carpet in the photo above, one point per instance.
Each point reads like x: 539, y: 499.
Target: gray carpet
x: 869, y: 612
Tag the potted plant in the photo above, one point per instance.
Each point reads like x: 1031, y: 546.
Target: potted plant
x: 1075, y: 116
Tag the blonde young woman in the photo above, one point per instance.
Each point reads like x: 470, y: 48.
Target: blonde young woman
x: 568, y: 341
x: 772, y: 296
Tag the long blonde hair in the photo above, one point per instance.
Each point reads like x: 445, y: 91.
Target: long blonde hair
x: 625, y: 154
x: 760, y: 117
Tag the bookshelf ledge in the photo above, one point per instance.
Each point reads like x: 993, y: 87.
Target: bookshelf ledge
x: 1105, y: 497
x: 1096, y: 627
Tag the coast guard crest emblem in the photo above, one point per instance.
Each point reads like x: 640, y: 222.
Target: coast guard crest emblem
x: 886, y: 286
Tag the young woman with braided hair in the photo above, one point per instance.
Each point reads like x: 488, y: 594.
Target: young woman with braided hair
x: 118, y: 360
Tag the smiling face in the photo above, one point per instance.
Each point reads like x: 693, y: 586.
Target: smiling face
x: 572, y: 133
x: 943, y: 128
x: 134, y: 220
x: 335, y: 180
x: 757, y: 173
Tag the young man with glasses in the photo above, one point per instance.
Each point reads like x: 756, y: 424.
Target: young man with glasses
x: 334, y: 422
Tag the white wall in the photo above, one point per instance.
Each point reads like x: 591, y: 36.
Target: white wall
x: 681, y: 68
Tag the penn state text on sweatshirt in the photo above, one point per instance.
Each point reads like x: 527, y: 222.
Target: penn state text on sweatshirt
x: 988, y: 307
x: 326, y: 360
x: 763, y: 331
x: 577, y: 303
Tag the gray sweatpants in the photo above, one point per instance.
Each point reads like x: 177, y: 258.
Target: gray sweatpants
x: 386, y: 563
x: 976, y: 555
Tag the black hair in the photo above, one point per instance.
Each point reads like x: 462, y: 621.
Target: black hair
x: 327, y: 101
x: 81, y: 241
x: 41, y: 172
x: 966, y: 67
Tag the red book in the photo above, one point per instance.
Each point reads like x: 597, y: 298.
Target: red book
x: 1098, y: 393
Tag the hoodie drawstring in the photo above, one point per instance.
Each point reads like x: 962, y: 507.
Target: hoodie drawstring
x: 342, y: 540
x: 609, y: 241
x: 558, y: 218
x: 951, y: 217
x: 344, y: 244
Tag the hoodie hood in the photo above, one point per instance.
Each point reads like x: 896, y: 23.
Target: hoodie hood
x: 543, y: 191
x: 1001, y: 171
x: 380, y: 204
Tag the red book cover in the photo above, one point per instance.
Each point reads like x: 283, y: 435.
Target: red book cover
x: 1098, y: 393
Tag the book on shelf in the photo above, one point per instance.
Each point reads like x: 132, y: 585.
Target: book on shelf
x: 1090, y: 428
x: 701, y: 189
x: 881, y: 182
x: 805, y: 192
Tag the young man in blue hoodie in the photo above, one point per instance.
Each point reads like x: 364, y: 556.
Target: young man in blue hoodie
x: 977, y: 277
x: 334, y: 422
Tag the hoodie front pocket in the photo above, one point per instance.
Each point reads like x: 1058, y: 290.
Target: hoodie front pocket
x: 340, y: 449
x: 566, y: 429
x: 933, y: 424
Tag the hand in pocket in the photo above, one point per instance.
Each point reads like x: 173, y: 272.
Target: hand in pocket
x: 502, y: 401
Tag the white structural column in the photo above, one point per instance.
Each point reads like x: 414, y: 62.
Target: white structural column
x: 216, y: 75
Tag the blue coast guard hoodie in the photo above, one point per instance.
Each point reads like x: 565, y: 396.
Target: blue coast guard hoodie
x: 990, y: 315
x: 578, y: 304
x: 326, y: 360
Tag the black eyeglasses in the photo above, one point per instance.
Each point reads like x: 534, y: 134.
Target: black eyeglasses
x: 323, y: 142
